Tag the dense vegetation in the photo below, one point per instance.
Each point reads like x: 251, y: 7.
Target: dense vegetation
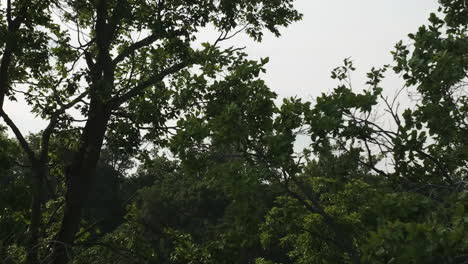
x: 159, y: 150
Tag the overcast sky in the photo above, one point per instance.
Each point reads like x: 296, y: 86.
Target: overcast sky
x: 331, y: 30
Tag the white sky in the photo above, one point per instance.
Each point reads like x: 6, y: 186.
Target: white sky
x: 331, y: 30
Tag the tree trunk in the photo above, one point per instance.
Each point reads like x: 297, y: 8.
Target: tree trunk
x: 80, y: 177
x: 36, y: 213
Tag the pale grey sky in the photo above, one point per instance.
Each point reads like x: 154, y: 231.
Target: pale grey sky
x: 331, y: 30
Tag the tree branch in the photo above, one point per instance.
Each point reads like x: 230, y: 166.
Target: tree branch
x: 53, y: 121
x: 135, y: 46
x: 117, y: 101
x: 24, y: 144
x: 8, y: 11
x: 13, y: 26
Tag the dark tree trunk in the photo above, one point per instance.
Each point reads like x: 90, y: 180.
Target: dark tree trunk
x: 80, y: 177
x: 36, y: 213
x: 81, y: 173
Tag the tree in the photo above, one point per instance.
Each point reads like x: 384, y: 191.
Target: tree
x: 413, y: 211
x: 114, y: 74
x: 207, y: 205
x: 91, y: 63
x: 14, y: 196
x: 208, y: 216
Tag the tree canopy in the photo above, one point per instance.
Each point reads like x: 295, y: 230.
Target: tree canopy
x: 161, y: 150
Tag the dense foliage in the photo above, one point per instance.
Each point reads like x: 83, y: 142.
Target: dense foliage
x: 184, y: 157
